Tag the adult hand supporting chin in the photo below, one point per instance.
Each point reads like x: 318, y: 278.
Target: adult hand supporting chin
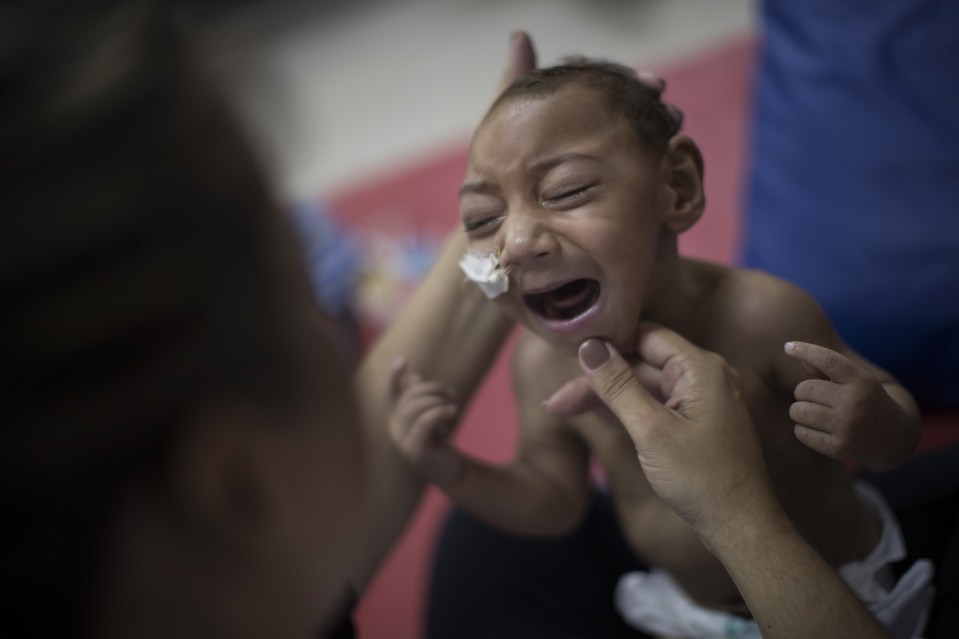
x: 702, y: 456
x: 683, y: 408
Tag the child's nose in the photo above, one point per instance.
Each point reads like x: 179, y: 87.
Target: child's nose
x: 526, y: 238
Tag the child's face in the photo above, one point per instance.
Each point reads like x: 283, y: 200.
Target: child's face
x: 568, y: 196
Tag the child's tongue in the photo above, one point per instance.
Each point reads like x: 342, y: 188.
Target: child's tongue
x: 568, y: 300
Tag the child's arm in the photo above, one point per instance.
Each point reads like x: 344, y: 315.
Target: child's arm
x: 443, y: 313
x: 543, y: 492
x: 421, y: 422
x: 852, y: 409
x: 846, y: 407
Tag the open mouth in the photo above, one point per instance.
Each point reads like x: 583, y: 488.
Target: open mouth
x: 564, y: 302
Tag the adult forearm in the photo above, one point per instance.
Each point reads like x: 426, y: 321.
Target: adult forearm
x: 790, y: 590
x: 447, y: 331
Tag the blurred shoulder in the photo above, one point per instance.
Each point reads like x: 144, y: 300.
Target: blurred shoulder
x: 763, y: 306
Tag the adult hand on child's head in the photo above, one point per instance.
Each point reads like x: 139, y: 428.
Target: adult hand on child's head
x: 698, y: 448
x: 652, y: 80
x: 522, y: 59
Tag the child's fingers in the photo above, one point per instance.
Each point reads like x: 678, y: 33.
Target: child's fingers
x: 819, y: 391
x: 418, y: 392
x: 812, y: 415
x: 419, y: 440
x: 431, y: 427
x: 815, y: 372
x: 397, y: 378
x: 412, y: 386
x: 818, y: 440
x: 438, y: 420
x: 411, y: 427
x: 412, y: 408
x: 835, y: 365
x: 432, y: 388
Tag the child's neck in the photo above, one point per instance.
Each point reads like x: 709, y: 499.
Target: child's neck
x: 675, y: 290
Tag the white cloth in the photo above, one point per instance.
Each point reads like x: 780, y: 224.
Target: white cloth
x: 655, y: 603
x: 485, y: 270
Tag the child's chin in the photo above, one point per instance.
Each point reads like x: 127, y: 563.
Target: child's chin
x: 565, y: 345
x: 568, y: 347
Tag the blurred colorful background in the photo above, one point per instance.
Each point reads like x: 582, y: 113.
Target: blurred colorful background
x: 362, y: 111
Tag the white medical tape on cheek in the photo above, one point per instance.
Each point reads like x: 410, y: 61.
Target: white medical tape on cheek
x: 485, y: 271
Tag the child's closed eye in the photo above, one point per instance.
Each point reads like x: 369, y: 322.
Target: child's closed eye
x: 567, y: 195
x: 475, y: 225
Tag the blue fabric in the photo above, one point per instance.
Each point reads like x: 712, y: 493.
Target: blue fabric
x: 333, y: 258
x: 854, y: 189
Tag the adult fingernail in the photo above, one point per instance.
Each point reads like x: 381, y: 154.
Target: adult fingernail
x: 593, y: 353
x: 790, y: 347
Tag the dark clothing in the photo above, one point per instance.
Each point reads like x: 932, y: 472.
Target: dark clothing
x: 487, y: 584
x: 924, y: 494
x: 342, y: 622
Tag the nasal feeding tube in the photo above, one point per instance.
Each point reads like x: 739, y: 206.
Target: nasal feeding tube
x: 485, y: 270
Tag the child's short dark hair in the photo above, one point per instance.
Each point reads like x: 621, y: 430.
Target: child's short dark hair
x: 621, y: 89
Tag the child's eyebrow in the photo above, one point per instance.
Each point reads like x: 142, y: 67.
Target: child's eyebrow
x: 541, y: 166
x: 481, y: 187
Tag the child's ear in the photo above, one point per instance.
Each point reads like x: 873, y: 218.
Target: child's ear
x: 684, y: 181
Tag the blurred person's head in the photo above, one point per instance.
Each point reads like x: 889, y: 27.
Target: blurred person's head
x: 179, y: 449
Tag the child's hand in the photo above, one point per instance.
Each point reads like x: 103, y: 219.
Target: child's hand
x: 421, y: 421
x: 847, y: 413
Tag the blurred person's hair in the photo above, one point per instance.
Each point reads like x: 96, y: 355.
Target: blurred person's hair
x: 620, y: 89
x: 143, y: 272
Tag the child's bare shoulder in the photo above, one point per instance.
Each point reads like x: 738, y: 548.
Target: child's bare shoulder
x: 755, y: 314
x: 760, y: 306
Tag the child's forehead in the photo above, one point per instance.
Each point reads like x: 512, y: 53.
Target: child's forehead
x: 575, y: 93
x: 568, y: 109
x: 575, y: 113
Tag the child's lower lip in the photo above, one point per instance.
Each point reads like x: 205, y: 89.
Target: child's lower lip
x: 572, y: 325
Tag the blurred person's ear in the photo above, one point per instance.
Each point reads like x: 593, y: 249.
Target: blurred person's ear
x: 682, y: 170
x: 226, y: 471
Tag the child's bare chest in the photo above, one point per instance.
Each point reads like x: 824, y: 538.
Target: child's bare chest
x: 816, y: 491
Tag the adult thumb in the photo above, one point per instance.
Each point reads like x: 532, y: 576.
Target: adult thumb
x: 614, y: 382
